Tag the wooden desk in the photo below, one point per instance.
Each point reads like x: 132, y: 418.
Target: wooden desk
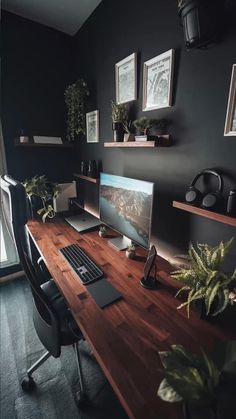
x: 126, y: 336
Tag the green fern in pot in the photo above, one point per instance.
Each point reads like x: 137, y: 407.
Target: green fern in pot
x: 204, y: 279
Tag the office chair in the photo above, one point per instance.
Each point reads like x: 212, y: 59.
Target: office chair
x: 53, y: 321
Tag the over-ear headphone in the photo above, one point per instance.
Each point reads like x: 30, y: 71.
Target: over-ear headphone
x: 211, y: 200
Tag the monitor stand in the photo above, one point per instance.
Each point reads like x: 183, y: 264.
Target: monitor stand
x: 120, y: 243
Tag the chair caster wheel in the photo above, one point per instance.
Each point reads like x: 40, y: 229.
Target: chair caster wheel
x: 80, y: 398
x: 27, y: 383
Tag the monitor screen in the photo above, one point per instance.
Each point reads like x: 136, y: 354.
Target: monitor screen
x: 126, y: 206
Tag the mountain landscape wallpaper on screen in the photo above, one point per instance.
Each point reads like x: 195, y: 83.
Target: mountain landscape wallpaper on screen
x: 129, y: 205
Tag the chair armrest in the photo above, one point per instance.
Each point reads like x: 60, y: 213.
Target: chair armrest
x: 44, y: 272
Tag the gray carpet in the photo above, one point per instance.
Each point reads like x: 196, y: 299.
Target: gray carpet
x: 57, y: 379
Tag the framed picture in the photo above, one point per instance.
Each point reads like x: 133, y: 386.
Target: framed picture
x: 230, y: 122
x: 157, y: 81
x: 92, y: 126
x: 126, y: 79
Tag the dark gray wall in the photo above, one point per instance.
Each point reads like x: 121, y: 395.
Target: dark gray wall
x: 36, y: 68
x: 38, y: 63
x: 201, y: 86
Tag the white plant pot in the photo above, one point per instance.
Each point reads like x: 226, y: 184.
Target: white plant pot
x: 140, y: 137
x: 128, y: 137
x: 130, y: 255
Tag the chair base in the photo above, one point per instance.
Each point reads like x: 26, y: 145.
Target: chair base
x: 28, y: 382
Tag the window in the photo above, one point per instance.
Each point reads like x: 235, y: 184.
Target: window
x: 8, y: 252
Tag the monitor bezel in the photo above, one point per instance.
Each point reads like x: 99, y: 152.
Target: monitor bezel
x: 150, y: 221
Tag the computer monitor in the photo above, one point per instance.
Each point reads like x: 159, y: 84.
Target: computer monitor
x: 126, y: 206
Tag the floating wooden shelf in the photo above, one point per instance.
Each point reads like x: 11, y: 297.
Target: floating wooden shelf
x: 88, y: 178
x: 131, y: 144
x: 162, y: 141
x: 33, y: 145
x: 221, y: 218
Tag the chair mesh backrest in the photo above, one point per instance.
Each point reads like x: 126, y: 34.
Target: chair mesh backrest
x: 14, y: 207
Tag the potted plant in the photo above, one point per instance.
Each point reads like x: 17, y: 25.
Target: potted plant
x: 204, y: 280
x: 102, y: 231
x: 204, y: 382
x: 159, y: 126
x: 201, y: 21
x: 128, y: 136
x: 142, y: 125
x: 130, y: 251
x: 75, y: 98
x: 119, y: 114
x: 41, y: 192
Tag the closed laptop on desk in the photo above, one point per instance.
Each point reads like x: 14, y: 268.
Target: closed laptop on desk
x: 83, y: 222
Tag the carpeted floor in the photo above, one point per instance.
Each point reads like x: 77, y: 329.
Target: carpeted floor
x: 57, y: 379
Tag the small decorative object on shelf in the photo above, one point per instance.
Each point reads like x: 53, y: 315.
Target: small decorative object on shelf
x: 204, y: 280
x: 92, y: 168
x: 131, y: 251
x: 41, y: 192
x: 119, y: 114
x: 159, y: 127
x: 84, y: 167
x: 150, y: 128
x: 128, y: 136
x: 142, y: 125
x: 75, y: 99
x: 23, y: 138
x: 231, y: 204
x: 102, y: 231
x: 204, y: 382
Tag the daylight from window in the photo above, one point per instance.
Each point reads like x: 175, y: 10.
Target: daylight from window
x: 3, y: 255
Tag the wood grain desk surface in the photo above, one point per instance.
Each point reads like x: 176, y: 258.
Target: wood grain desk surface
x: 125, y: 336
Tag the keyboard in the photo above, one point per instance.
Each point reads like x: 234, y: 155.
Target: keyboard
x: 82, y: 264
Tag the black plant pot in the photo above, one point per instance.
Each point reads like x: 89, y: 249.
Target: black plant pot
x: 202, y: 22
x: 34, y: 204
x: 192, y: 411
x: 118, y: 131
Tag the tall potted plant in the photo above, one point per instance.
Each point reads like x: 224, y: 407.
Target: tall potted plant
x: 75, y: 99
x: 119, y: 114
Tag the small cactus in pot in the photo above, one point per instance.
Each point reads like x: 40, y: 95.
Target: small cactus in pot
x: 131, y: 251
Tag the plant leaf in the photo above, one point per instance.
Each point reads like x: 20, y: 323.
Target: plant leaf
x: 222, y: 301
x: 210, y: 296
x: 167, y: 393
x: 188, y: 383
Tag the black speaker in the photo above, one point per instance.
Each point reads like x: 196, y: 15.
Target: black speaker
x: 211, y: 200
x: 147, y: 280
